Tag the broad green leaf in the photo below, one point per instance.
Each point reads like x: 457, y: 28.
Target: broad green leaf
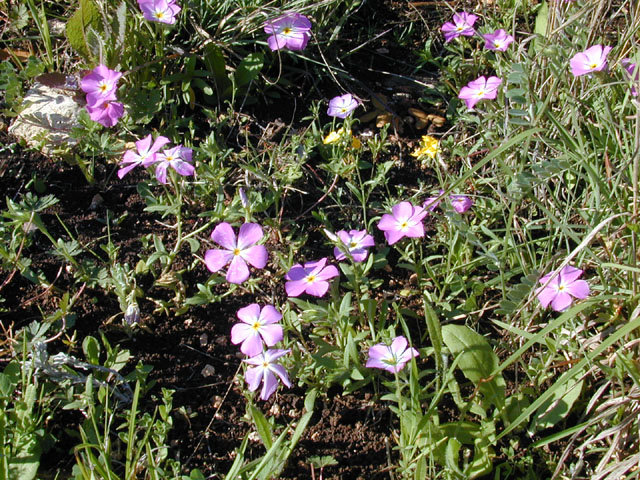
x: 248, y: 69
x: 542, y: 19
x: 78, y: 25
x: 477, y: 361
x: 214, y: 60
x: 24, y: 464
x: 556, y: 407
x: 91, y: 349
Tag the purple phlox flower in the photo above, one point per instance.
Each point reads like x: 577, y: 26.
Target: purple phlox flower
x: 498, y: 40
x: 342, y: 106
x: 179, y: 158
x: 391, y: 358
x: 479, y: 89
x: 236, y: 251
x: 145, y: 154
x: 405, y: 220
x: 312, y: 278
x: 593, y: 59
x: 562, y: 289
x: 256, y: 326
x: 633, y: 73
x: 291, y: 31
x: 355, y: 242
x: 106, y: 111
x: 99, y: 85
x: 162, y: 11
x: 461, y: 203
x: 432, y: 203
x: 265, y: 371
x: 462, y: 25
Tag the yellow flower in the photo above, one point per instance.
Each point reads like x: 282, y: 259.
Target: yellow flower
x: 333, y: 137
x: 429, y: 147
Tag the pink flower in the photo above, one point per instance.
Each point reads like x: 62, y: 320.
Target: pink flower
x: 391, y: 358
x: 633, y: 73
x: 265, y: 371
x: 145, y: 154
x: 238, y: 252
x: 405, y: 220
x: 179, y: 158
x: 432, y: 203
x: 312, y: 278
x: 342, y: 106
x: 498, y: 40
x: 562, y: 289
x: 256, y: 325
x: 106, y: 111
x: 99, y: 85
x: 479, y: 89
x: 462, y: 25
x: 593, y: 59
x: 163, y: 11
x: 460, y: 203
x: 291, y: 31
x: 355, y: 242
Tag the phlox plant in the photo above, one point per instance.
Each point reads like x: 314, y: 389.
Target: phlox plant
x: 237, y: 251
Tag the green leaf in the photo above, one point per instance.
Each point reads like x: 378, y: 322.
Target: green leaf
x: 556, y: 407
x: 87, y: 15
x: 248, y: 69
x: 542, y: 19
x: 263, y: 427
x: 91, y: 349
x: 214, y: 61
x: 477, y: 361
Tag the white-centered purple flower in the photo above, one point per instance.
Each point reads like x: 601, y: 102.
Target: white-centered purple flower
x: 106, y: 111
x: 342, y: 106
x: 291, y: 31
x: 266, y: 371
x: 100, y: 85
x: 462, y: 25
x: 145, y: 154
x: 498, y: 40
x: 257, y: 325
x: 236, y: 252
x: 162, y: 11
x: 405, y: 220
x: 593, y: 59
x: 312, y: 278
x: 479, y: 89
x: 391, y: 358
x: 355, y: 242
x: 178, y: 158
x: 562, y: 289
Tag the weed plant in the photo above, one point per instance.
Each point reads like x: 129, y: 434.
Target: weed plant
x: 491, y: 305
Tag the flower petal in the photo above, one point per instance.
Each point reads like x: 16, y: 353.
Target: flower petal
x: 224, y: 235
x: 249, y: 234
x: 238, y: 270
x: 271, y: 334
x: 256, y: 255
x: 269, y: 314
x: 249, y: 314
x: 215, y: 259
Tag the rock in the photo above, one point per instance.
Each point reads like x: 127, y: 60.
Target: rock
x: 48, y: 115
